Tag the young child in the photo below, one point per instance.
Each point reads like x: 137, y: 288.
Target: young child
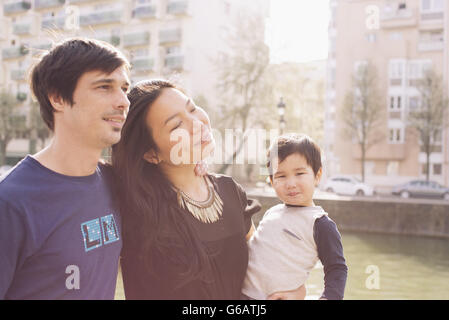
x: 292, y: 236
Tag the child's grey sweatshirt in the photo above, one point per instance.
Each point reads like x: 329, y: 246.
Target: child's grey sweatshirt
x: 286, y: 246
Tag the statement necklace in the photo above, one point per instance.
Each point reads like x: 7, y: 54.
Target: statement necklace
x: 207, y: 211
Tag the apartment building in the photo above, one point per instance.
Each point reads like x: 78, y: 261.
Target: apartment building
x: 175, y: 39
x: 401, y: 39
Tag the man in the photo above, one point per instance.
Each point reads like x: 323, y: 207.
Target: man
x: 59, y: 230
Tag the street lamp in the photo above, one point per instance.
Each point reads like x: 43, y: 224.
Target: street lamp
x: 281, y: 111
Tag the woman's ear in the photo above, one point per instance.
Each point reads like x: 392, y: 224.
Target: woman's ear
x: 151, y: 157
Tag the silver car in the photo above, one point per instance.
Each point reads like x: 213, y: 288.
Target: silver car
x: 421, y: 188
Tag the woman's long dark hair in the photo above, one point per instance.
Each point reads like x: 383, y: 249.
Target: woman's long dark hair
x: 152, y: 220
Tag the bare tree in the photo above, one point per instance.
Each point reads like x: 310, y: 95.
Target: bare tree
x: 362, y: 111
x: 240, y: 72
x: 429, y: 118
x: 37, y: 129
x: 10, y: 122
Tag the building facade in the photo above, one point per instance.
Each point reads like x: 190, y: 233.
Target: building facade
x: 175, y: 39
x: 401, y: 39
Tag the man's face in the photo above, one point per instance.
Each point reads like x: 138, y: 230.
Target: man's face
x: 99, y: 109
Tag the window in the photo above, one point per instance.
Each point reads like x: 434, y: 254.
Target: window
x: 227, y: 8
x: 437, y: 137
x: 396, y: 69
x: 396, y: 135
x: 437, y: 169
x: 371, y: 37
x: 395, y: 36
x: 413, y: 103
x: 432, y: 5
x: 395, y: 103
x: 172, y: 50
x: 417, y: 68
x: 424, y: 168
x: 392, y: 168
x: 142, y: 2
x: 139, y: 53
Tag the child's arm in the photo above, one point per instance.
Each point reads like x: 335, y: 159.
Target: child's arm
x: 330, y: 252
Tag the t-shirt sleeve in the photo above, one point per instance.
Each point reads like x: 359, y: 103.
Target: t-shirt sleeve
x: 330, y: 252
x: 12, y: 245
x: 250, y: 206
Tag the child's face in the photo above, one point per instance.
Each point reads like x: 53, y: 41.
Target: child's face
x: 294, y: 180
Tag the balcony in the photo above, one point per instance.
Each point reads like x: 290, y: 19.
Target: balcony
x: 79, y: 1
x: 177, y: 7
x: 175, y: 62
x: 14, y: 52
x: 43, y: 46
x: 395, y: 82
x: 4, y: 26
x: 103, y: 17
x: 144, y: 12
x: 112, y: 39
x: 395, y: 115
x: 21, y: 28
x: 18, y: 74
x: 142, y: 64
x: 382, y: 151
x: 16, y: 7
x: 428, y: 16
x: 398, y: 18
x: 169, y: 36
x: 53, y: 23
x: 44, y: 4
x: 136, y: 39
x: 431, y: 46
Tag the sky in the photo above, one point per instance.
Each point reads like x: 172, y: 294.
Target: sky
x: 297, y: 30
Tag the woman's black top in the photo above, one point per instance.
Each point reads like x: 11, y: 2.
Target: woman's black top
x: 224, y: 239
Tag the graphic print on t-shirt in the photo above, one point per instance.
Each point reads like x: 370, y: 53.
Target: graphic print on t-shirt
x: 98, y: 232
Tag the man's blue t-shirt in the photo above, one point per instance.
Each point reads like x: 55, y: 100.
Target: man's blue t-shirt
x: 59, y: 235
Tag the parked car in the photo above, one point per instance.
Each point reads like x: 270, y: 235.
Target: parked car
x: 348, y: 185
x: 421, y: 188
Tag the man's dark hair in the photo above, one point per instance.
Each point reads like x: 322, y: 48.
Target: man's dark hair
x: 58, y: 71
x: 289, y: 144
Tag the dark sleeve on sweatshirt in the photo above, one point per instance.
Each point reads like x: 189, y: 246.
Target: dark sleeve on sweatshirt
x: 330, y: 252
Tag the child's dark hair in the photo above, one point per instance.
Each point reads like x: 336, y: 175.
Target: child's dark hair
x: 289, y: 144
x: 59, y: 70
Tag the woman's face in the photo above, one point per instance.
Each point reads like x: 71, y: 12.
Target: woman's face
x: 180, y: 129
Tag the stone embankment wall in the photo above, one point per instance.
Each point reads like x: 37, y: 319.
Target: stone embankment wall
x: 417, y: 217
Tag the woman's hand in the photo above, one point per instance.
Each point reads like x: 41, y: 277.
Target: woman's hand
x: 297, y: 294
x: 201, y: 168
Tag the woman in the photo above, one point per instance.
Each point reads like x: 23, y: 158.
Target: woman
x: 184, y: 236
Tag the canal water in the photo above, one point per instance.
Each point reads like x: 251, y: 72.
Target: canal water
x: 384, y: 267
